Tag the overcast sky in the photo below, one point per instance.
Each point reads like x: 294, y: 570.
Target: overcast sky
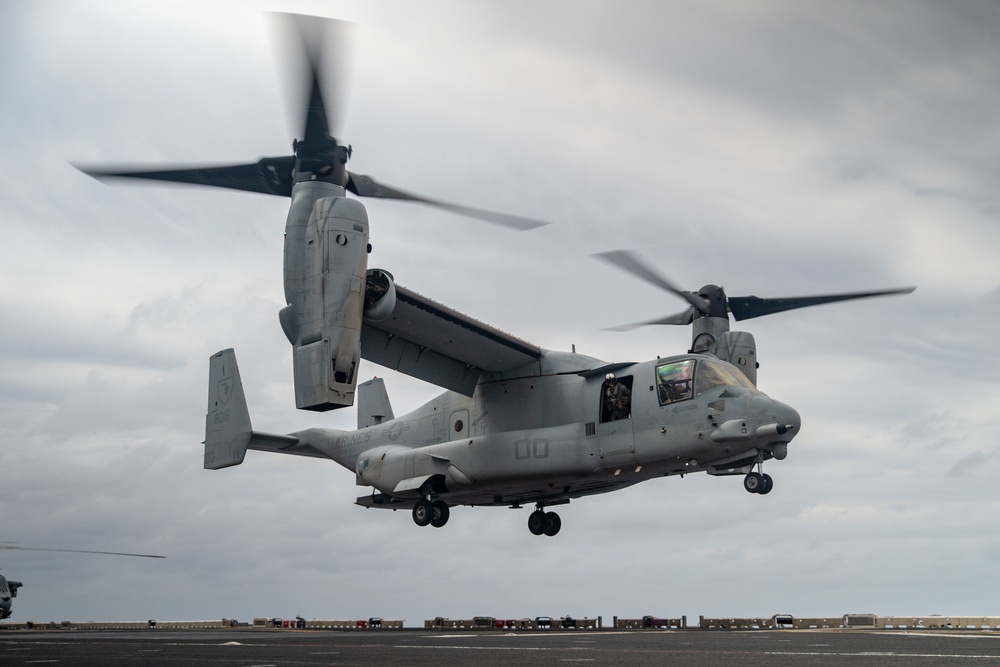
x: 776, y: 148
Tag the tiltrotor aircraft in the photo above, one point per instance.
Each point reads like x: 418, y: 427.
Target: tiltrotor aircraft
x: 519, y: 425
x: 8, y: 588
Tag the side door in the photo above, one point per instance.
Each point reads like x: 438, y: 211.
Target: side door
x: 615, y: 432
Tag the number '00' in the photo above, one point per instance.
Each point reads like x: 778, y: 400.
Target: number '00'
x: 531, y: 449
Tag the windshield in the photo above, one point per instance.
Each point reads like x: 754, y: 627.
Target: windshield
x: 681, y: 380
x: 3, y: 585
x: 713, y: 374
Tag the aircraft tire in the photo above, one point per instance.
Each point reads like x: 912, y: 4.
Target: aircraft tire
x: 767, y: 485
x: 753, y: 482
x: 439, y: 513
x: 423, y: 512
x: 552, y: 524
x: 537, y: 522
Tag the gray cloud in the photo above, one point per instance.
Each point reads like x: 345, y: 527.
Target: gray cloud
x: 771, y: 147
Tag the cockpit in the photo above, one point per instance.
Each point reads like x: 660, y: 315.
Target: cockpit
x: 686, y: 378
x: 3, y: 586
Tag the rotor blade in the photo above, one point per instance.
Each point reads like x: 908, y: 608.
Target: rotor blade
x: 366, y: 186
x: 317, y: 121
x: 324, y: 45
x: 80, y: 551
x: 746, y: 307
x: 269, y: 175
x: 682, y: 319
x: 630, y: 262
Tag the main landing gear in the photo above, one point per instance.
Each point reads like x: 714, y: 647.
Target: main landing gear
x: 433, y: 513
x: 541, y: 522
x: 436, y: 513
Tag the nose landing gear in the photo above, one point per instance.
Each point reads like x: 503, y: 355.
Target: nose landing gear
x: 541, y: 522
x: 758, y: 482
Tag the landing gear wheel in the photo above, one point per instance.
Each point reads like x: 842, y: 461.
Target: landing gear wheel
x: 753, y: 482
x: 767, y: 485
x: 552, y: 524
x: 439, y: 513
x: 537, y: 522
x: 423, y: 512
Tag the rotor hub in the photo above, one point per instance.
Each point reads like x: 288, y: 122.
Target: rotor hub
x: 716, y: 302
x: 324, y: 160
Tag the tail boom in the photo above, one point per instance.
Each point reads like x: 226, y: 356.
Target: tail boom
x: 228, y: 431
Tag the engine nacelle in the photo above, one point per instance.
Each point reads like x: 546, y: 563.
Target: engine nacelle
x: 323, y: 323
x: 739, y: 349
x: 380, y: 295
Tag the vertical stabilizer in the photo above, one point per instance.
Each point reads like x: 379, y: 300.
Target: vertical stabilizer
x: 373, y: 403
x: 227, y: 424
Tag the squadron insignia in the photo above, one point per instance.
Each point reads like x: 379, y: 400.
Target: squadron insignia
x: 225, y: 389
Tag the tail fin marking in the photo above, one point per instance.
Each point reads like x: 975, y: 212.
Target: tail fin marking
x: 227, y: 423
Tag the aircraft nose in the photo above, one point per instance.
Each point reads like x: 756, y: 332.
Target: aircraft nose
x: 775, y: 420
x: 779, y: 425
x: 766, y: 409
x: 788, y: 415
x: 763, y: 420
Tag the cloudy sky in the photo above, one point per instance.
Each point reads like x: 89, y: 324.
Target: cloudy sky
x: 775, y: 148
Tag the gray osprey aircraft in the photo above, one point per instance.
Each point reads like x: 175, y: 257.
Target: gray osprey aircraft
x: 518, y: 425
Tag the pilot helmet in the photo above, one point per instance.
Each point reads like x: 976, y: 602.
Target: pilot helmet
x: 610, y: 377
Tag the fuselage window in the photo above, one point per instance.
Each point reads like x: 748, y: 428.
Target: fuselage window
x: 674, y: 381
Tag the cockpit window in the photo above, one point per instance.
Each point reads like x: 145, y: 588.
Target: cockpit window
x: 674, y: 381
x: 713, y: 374
x: 681, y: 380
x: 3, y: 586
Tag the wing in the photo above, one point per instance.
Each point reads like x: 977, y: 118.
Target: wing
x: 434, y: 343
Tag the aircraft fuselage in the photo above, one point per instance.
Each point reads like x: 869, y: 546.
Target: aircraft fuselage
x: 548, y: 437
